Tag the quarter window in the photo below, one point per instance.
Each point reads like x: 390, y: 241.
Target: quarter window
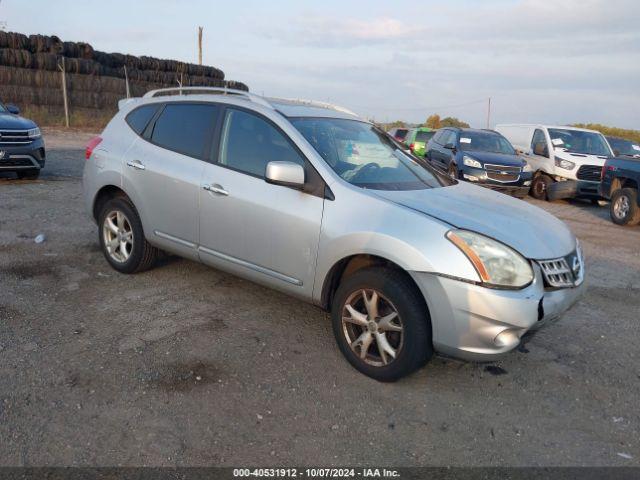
x: 139, y: 118
x: 249, y: 142
x: 185, y: 128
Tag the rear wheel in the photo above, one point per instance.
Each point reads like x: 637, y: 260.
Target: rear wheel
x: 31, y: 174
x: 539, y: 186
x: 624, y: 208
x: 381, y: 323
x: 122, y: 239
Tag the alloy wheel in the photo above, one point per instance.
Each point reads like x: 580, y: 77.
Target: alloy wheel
x: 118, y: 236
x: 372, y: 327
x: 621, y: 207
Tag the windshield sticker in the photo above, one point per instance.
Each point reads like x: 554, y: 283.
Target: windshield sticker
x: 557, y: 141
x: 465, y: 140
x: 636, y: 147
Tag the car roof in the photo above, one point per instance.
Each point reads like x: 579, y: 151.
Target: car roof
x: 287, y: 107
x: 542, y: 125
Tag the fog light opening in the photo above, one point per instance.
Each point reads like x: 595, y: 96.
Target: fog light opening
x: 507, y: 338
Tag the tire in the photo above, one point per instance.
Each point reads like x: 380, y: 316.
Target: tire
x: 396, y: 292
x: 452, y: 171
x: 539, y: 186
x: 136, y: 257
x: 624, y: 208
x: 28, y: 174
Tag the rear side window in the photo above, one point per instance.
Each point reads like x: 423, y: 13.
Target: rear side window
x: 185, y: 128
x: 139, y: 118
x: 423, y: 136
x: 249, y: 142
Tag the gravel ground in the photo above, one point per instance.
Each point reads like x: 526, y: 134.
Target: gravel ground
x: 186, y: 365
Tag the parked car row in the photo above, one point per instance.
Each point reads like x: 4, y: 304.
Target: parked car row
x: 548, y: 162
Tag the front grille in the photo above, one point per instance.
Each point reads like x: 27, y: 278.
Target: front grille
x: 590, y: 173
x: 16, y: 162
x: 14, y: 137
x: 564, y: 271
x: 502, y: 173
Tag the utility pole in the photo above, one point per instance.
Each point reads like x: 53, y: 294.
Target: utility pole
x: 126, y: 80
x: 489, y: 114
x: 200, y: 45
x: 61, y: 66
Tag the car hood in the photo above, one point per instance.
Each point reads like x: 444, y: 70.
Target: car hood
x: 530, y: 230
x: 497, y: 158
x: 580, y: 158
x: 15, y: 122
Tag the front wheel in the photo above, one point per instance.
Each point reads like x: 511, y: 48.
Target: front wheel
x: 381, y: 323
x: 453, y: 170
x: 122, y: 239
x: 540, y: 186
x: 624, y: 208
x: 30, y: 174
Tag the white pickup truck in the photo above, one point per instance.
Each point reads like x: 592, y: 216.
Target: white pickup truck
x: 561, y: 154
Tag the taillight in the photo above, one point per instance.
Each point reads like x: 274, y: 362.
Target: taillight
x: 93, y: 143
x: 412, y: 146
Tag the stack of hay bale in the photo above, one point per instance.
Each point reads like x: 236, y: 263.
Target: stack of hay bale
x: 30, y: 77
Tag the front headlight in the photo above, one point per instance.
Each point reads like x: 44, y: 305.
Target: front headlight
x: 471, y: 162
x: 566, y: 164
x: 496, y: 264
x: 34, y: 133
x: 527, y: 168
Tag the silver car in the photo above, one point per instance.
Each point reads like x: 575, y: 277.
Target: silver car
x: 308, y: 199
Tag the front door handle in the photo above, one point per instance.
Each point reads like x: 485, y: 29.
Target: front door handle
x: 215, y: 189
x: 137, y: 164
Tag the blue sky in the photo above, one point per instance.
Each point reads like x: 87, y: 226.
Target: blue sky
x: 539, y: 60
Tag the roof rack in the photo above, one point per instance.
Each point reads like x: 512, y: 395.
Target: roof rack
x: 313, y: 103
x: 208, y: 90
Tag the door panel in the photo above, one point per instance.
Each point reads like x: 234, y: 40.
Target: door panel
x: 168, y: 189
x: 268, y: 233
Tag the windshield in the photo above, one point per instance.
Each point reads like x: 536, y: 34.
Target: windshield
x: 577, y: 141
x: 485, y: 142
x: 365, y: 156
x: 401, y: 134
x: 625, y: 147
x: 422, y: 136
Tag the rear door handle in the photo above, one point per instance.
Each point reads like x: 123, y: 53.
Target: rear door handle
x: 216, y: 189
x: 137, y: 164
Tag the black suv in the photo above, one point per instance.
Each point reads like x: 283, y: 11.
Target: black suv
x: 483, y: 157
x: 21, y: 144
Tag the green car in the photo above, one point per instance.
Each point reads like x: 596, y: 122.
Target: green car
x: 417, y: 139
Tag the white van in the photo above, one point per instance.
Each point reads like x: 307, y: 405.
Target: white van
x: 561, y: 154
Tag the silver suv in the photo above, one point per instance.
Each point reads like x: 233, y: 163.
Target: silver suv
x: 308, y: 199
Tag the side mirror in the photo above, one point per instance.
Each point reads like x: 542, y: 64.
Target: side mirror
x: 450, y: 146
x: 616, y: 152
x: 288, y: 174
x: 11, y: 108
x: 541, y: 149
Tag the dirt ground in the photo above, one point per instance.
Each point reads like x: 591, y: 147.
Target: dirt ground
x: 186, y: 365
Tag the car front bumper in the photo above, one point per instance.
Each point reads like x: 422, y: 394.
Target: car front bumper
x: 476, y: 323
x: 23, y: 157
x: 479, y: 176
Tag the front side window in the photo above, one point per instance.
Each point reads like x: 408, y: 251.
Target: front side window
x: 538, y: 137
x: 185, y: 128
x: 578, y: 141
x: 364, y: 156
x: 485, y: 142
x: 2, y: 108
x: 249, y: 142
